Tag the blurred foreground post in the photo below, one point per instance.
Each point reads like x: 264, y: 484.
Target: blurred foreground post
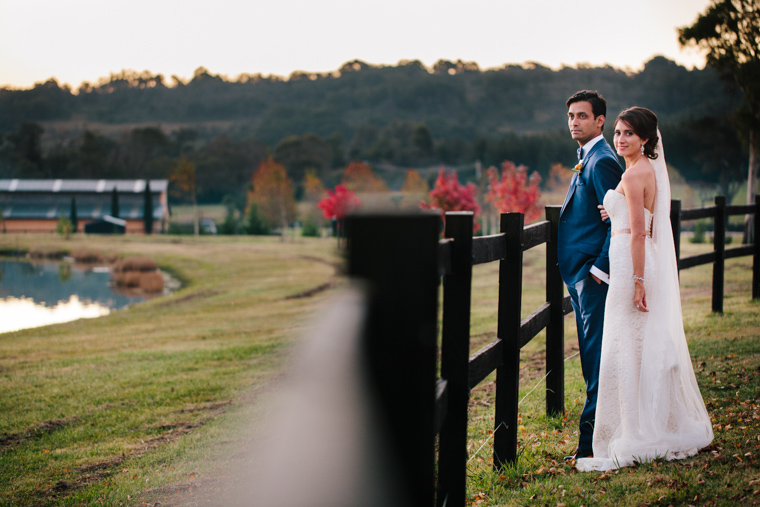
x: 355, y: 423
x: 398, y: 256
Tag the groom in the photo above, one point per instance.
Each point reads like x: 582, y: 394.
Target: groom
x: 584, y: 241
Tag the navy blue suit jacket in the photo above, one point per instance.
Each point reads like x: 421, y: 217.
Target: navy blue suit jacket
x: 584, y: 240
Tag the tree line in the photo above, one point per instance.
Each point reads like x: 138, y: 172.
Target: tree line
x: 393, y: 117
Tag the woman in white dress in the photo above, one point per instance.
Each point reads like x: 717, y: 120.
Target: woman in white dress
x: 649, y: 404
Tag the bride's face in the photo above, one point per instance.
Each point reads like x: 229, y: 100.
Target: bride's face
x: 627, y: 143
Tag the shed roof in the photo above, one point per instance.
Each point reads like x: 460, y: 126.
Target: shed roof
x: 82, y: 186
x: 48, y: 199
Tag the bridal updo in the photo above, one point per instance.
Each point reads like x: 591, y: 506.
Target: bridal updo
x: 643, y: 122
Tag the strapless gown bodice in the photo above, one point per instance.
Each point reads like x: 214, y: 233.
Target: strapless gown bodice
x: 617, y: 208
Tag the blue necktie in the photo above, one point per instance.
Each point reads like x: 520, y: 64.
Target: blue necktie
x: 580, y: 154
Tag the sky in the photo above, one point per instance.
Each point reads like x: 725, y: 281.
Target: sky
x: 84, y: 40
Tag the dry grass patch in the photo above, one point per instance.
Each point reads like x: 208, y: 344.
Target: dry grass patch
x: 86, y: 256
x: 137, y: 273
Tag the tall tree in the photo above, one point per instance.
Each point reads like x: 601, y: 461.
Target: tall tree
x: 183, y: 175
x: 115, y: 202
x: 359, y: 177
x: 74, y: 219
x: 729, y: 33
x: 273, y: 194
x: 148, y: 209
x: 414, y: 184
x: 313, y: 190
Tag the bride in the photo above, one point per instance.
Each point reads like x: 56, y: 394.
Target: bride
x: 649, y: 404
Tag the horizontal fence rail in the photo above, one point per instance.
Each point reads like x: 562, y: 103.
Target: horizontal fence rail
x: 719, y: 213
x: 488, y: 248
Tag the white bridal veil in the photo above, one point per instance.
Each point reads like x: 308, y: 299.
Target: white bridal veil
x: 673, y: 414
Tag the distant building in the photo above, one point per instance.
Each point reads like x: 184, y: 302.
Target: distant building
x: 36, y: 205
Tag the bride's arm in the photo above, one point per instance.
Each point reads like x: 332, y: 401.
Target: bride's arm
x: 633, y: 185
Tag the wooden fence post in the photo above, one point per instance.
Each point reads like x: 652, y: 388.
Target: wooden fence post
x: 508, y: 374
x: 398, y: 256
x: 756, y: 256
x: 675, y: 224
x: 455, y: 353
x: 719, y: 245
x: 555, y: 330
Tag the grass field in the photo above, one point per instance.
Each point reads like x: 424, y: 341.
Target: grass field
x: 148, y: 404
x: 726, y: 355
x: 97, y: 411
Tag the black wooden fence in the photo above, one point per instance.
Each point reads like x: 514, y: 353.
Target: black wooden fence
x: 719, y: 213
x: 391, y: 323
x: 461, y: 372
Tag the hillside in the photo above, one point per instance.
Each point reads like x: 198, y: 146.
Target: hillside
x: 398, y: 116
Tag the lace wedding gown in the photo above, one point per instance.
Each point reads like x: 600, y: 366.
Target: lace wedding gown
x: 649, y: 405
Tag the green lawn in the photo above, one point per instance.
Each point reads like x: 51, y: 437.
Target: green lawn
x: 726, y: 355
x: 145, y: 404
x: 99, y: 410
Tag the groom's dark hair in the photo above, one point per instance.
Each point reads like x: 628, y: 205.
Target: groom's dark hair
x: 593, y: 97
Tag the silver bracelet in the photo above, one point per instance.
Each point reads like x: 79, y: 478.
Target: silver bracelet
x: 640, y: 279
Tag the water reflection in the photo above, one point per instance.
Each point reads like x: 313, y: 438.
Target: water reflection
x: 23, y: 313
x: 42, y: 293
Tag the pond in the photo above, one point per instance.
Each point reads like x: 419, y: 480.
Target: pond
x: 34, y: 294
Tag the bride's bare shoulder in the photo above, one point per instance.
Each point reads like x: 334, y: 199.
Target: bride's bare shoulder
x: 641, y: 170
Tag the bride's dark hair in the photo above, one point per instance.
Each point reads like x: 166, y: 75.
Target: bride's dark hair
x: 643, y: 122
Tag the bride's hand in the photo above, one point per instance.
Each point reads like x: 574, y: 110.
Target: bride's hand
x: 603, y: 212
x: 640, y: 297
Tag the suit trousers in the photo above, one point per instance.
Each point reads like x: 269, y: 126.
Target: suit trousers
x: 588, y: 298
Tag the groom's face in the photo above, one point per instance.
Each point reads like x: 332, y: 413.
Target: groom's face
x: 583, y: 126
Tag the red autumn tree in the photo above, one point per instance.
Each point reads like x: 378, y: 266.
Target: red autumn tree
x: 515, y: 191
x: 359, y: 177
x: 338, y: 203
x: 450, y: 195
x: 273, y: 193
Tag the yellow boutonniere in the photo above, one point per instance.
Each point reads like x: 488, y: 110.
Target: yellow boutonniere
x: 577, y: 168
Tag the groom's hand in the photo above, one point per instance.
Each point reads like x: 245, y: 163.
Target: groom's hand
x: 596, y: 279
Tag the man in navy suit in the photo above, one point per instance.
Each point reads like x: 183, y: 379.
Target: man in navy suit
x: 584, y: 241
